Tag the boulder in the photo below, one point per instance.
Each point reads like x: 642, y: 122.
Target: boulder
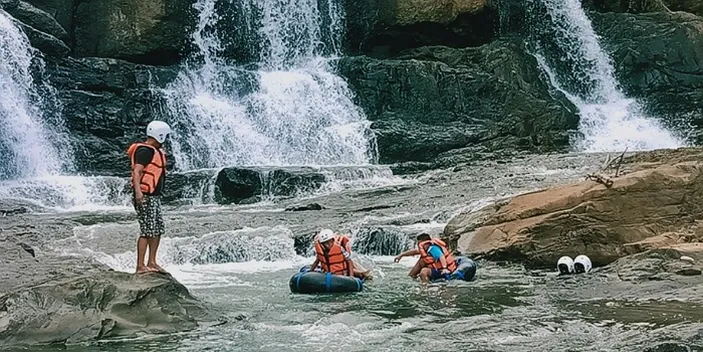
x: 661, y: 263
x: 246, y: 185
x: 89, y: 308
x: 659, y: 60
x: 151, y: 32
x: 383, y: 28
x: 587, y: 217
x: 60, y: 10
x: 435, y: 99
x: 8, y: 5
x: 51, y: 299
x: 38, y: 19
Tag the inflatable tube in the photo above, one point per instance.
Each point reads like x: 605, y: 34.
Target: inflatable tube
x: 465, y: 270
x: 565, y: 265
x: 317, y: 282
x: 582, y: 264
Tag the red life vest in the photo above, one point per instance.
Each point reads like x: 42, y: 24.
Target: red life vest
x: 427, y: 258
x: 332, y: 261
x: 343, y: 241
x: 153, y: 171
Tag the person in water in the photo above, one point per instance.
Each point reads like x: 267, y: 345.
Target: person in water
x: 435, y: 260
x: 345, y: 242
x: 331, y: 256
x: 148, y: 178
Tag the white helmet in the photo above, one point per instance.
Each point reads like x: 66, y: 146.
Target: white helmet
x: 158, y: 130
x: 582, y: 264
x: 565, y: 265
x: 325, y: 235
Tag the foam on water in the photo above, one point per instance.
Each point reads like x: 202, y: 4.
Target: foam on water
x: 568, y: 50
x: 291, y: 110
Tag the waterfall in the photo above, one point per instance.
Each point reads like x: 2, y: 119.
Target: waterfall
x: 286, y: 107
x: 35, y: 149
x: 30, y: 146
x: 568, y: 50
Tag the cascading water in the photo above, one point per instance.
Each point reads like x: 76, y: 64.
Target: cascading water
x: 568, y: 50
x: 34, y: 147
x: 27, y: 146
x: 291, y: 110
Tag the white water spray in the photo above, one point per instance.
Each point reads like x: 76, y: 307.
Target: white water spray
x: 292, y: 110
x: 29, y: 145
x: 569, y: 52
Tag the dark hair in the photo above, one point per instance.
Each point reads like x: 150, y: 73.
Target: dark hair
x: 423, y: 237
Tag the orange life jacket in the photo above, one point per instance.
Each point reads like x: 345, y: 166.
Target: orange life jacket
x: 427, y: 258
x: 332, y: 261
x: 153, y: 171
x: 343, y: 241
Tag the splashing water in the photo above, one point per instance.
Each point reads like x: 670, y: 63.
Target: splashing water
x: 291, y: 110
x: 32, y: 141
x: 568, y: 50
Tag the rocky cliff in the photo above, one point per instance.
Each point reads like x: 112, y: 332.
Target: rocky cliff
x: 433, y: 76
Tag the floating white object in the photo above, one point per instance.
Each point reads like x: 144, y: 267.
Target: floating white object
x: 687, y: 258
x: 582, y: 264
x: 565, y: 265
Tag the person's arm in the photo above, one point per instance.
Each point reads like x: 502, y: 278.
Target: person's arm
x: 350, y: 263
x: 438, y: 256
x: 137, y: 174
x: 407, y: 253
x: 142, y: 158
x: 314, y: 265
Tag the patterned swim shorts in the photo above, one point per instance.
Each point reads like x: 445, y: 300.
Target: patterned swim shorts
x: 151, y: 221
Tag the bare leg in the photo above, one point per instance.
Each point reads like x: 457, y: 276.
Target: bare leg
x: 425, y: 275
x: 153, y: 248
x: 141, y: 250
x: 416, y: 269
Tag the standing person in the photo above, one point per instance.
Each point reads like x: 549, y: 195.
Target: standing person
x: 435, y: 261
x: 148, y: 177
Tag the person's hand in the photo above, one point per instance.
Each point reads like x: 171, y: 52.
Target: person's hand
x: 139, y: 197
x: 397, y: 259
x: 445, y: 272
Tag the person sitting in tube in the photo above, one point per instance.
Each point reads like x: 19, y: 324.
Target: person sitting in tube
x: 436, y: 262
x: 331, y: 256
x: 345, y: 242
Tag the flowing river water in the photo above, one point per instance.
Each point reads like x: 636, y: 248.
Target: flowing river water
x: 239, y: 260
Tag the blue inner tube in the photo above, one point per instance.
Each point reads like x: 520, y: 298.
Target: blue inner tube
x: 317, y: 282
x: 465, y: 270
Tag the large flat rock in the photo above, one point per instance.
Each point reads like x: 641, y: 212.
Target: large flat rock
x: 653, y: 199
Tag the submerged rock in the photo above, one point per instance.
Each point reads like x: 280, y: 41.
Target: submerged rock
x: 311, y: 206
x: 247, y: 185
x: 660, y: 263
x: 587, y: 218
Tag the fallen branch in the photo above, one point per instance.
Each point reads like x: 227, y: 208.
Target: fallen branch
x: 600, y: 179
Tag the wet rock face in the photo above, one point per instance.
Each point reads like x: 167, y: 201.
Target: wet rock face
x: 247, y: 185
x: 151, y: 32
x: 107, y: 104
x: 383, y: 28
x: 587, y: 218
x: 658, y: 59
x: 436, y: 99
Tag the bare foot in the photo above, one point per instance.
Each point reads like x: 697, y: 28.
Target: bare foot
x: 156, y: 268
x: 367, y: 275
x: 143, y: 269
